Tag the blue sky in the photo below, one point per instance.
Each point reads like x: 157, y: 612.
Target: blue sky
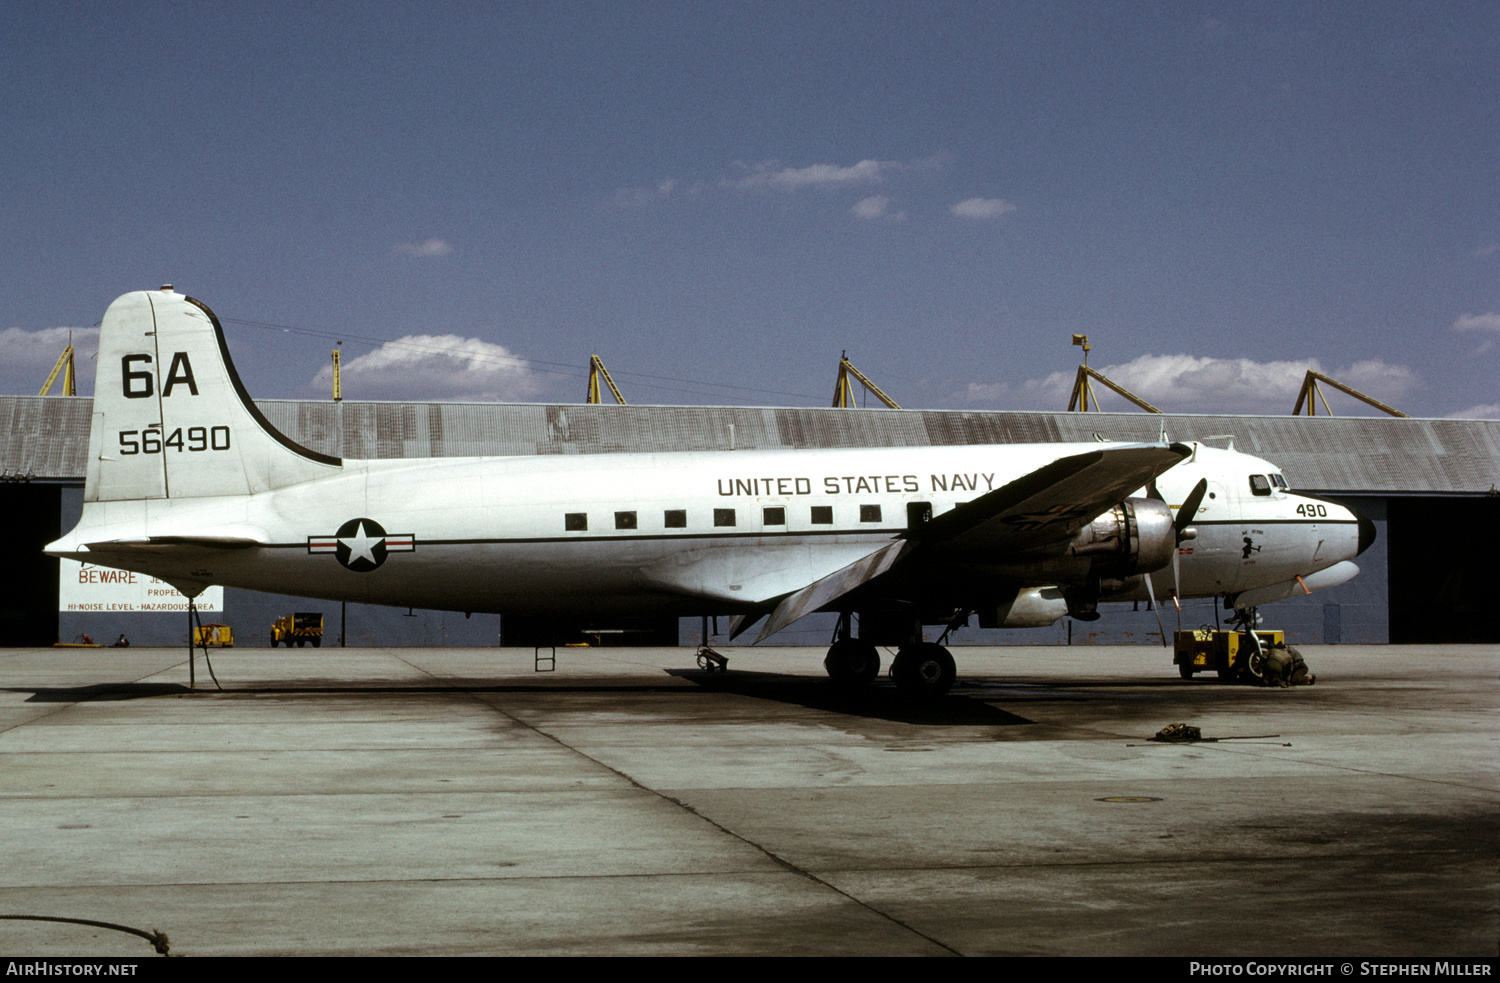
x: 719, y: 198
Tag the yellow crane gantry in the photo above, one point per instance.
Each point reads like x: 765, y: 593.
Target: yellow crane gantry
x: 1083, y: 388
x: 1310, y: 390
x: 596, y: 372
x: 65, y: 366
x: 843, y: 389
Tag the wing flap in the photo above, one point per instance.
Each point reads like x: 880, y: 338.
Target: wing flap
x: 830, y: 588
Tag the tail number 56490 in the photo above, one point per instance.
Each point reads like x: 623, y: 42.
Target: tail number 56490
x: 151, y: 441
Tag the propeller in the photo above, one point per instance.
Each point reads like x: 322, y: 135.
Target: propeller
x: 1181, y: 533
x: 1185, y: 516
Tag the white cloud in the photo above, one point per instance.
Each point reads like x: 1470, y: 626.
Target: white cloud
x: 1190, y: 384
x: 875, y: 207
x: 1477, y: 322
x: 27, y: 356
x: 425, y: 250
x: 1484, y: 411
x: 769, y: 175
x: 982, y: 208
x: 640, y: 197
x: 435, y: 367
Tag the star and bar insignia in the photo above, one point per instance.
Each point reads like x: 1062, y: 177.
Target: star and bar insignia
x: 361, y: 545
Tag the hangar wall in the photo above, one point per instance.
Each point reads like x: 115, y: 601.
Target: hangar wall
x: 1404, y: 474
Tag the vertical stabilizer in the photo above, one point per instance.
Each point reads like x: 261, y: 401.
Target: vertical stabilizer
x: 171, y: 417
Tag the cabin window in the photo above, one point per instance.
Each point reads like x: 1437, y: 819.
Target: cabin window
x: 723, y: 517
x: 774, y: 515
x: 675, y: 518
x: 822, y: 515
x: 624, y: 520
x: 1260, y: 484
x: 869, y: 513
x: 917, y: 513
x: 576, y: 522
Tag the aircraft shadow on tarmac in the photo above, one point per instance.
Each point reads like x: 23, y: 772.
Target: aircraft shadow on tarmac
x: 879, y: 701
x: 98, y: 693
x: 972, y: 702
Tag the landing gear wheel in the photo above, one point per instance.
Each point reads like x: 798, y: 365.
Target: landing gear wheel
x: 852, y: 662
x: 924, y: 670
x: 1255, y: 668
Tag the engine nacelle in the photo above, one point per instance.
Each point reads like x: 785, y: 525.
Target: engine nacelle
x: 1134, y: 537
x: 1035, y: 607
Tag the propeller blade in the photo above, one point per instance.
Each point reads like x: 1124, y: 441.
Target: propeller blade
x: 1190, y: 507
x: 1185, y: 515
x: 1151, y: 593
x: 1177, y: 579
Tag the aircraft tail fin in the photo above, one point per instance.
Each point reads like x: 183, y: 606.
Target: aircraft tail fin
x: 171, y: 417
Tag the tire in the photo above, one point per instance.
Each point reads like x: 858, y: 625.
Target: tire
x: 317, y: 643
x: 852, y: 662
x: 1185, y: 671
x: 924, y: 671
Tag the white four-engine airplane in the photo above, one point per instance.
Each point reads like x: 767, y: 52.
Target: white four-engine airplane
x: 187, y: 481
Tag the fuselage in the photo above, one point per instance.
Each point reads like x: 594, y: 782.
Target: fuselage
x: 687, y: 533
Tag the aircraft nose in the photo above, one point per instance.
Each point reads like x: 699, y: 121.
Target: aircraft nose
x: 1366, y: 531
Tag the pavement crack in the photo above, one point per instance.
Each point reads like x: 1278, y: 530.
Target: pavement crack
x: 765, y: 851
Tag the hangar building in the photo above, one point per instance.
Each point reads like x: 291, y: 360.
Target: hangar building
x: 1430, y: 486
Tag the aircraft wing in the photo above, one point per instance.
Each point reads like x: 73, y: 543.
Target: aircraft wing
x: 1051, y: 503
x: 1048, y: 506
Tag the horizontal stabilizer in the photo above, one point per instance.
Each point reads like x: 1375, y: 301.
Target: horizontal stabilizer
x: 148, y: 544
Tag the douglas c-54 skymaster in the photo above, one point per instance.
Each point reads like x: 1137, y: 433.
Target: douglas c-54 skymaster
x: 187, y: 481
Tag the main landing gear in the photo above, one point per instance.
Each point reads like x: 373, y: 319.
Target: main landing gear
x: 920, y: 669
x: 852, y: 662
x: 925, y: 669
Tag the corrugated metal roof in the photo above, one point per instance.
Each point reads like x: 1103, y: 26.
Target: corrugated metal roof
x: 48, y: 436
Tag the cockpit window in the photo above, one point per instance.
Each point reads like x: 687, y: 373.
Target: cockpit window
x: 1260, y: 485
x: 1279, y: 482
